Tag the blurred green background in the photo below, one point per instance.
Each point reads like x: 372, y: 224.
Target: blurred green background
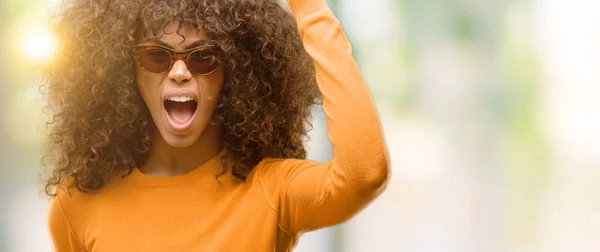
x: 490, y: 110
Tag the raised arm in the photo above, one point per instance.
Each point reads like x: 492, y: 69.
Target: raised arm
x: 315, y: 195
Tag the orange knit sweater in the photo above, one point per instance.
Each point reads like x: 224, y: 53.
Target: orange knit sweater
x: 281, y: 199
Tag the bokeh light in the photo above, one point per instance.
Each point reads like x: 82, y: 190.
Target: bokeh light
x: 39, y: 46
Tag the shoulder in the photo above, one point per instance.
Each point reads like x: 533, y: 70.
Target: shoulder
x: 277, y: 169
x: 69, y: 201
x: 274, y: 173
x: 281, y: 168
x: 76, y: 206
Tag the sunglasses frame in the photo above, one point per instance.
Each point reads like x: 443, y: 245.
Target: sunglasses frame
x: 175, y: 55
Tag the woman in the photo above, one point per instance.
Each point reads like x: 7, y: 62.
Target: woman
x: 179, y: 126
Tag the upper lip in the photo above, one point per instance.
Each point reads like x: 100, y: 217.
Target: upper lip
x: 183, y: 92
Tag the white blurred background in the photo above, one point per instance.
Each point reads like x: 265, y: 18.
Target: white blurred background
x: 491, y: 110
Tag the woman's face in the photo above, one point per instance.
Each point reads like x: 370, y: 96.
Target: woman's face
x: 179, y: 121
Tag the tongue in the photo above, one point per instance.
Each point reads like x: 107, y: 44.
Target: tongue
x: 181, y: 112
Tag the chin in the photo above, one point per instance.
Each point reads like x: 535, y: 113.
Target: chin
x: 180, y: 140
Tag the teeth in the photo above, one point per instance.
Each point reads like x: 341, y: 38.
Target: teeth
x: 180, y: 99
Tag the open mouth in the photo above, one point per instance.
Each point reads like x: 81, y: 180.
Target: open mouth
x: 180, y: 111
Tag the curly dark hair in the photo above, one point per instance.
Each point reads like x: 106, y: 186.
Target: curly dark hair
x: 100, y: 125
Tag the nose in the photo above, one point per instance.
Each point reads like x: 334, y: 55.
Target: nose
x: 179, y: 72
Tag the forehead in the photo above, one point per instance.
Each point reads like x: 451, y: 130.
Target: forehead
x: 176, y: 35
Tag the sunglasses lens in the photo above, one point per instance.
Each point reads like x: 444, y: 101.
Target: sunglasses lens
x: 202, y: 62
x: 155, y: 60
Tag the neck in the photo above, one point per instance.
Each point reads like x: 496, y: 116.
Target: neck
x: 165, y: 160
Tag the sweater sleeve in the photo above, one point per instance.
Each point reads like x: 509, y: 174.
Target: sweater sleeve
x: 315, y: 195
x: 61, y: 233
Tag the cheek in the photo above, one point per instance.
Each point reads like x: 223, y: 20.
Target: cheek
x: 212, y: 95
x: 212, y: 87
x: 146, y: 86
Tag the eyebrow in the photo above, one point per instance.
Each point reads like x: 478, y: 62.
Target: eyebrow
x: 191, y: 45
